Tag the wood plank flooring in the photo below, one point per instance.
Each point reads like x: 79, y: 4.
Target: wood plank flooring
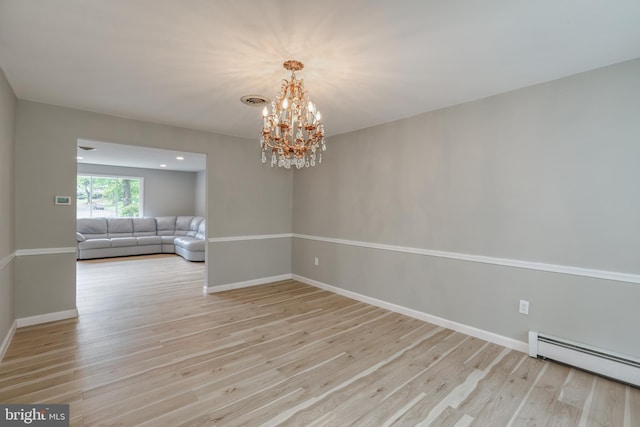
x: 150, y: 349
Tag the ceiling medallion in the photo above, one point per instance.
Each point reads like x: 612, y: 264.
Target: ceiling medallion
x: 292, y: 132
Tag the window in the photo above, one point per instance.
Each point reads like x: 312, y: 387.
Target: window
x: 109, y: 196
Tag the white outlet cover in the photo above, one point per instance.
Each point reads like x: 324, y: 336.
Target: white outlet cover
x: 524, y: 307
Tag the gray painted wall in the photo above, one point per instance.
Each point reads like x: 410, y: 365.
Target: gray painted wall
x: 243, y: 258
x: 7, y: 247
x: 165, y: 192
x: 201, y: 193
x: 244, y: 197
x: 547, y: 174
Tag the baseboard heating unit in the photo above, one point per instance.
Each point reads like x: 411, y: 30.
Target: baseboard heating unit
x: 617, y: 366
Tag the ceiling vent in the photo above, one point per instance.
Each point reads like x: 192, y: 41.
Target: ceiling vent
x: 254, y: 100
x: 85, y: 148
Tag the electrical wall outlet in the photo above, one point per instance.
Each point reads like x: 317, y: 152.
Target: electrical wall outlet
x: 315, y: 262
x: 524, y: 307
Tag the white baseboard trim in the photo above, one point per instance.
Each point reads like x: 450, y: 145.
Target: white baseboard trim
x: 459, y: 327
x: 7, y: 339
x: 246, y: 284
x: 46, y: 251
x: 46, y: 318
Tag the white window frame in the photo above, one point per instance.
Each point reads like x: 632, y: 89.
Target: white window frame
x: 102, y: 175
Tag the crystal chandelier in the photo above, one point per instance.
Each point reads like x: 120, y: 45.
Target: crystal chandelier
x: 292, y: 132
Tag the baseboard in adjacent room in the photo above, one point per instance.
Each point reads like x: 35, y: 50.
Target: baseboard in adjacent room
x: 459, y: 327
x: 247, y: 283
x: 7, y: 339
x: 46, y: 318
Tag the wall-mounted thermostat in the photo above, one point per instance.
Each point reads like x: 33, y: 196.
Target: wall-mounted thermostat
x: 63, y: 200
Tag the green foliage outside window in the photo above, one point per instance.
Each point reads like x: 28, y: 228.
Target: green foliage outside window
x: 108, y: 196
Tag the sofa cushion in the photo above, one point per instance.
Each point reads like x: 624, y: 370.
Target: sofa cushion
x: 80, y: 237
x: 120, y: 227
x: 95, y: 244
x: 92, y: 228
x: 182, y: 225
x: 165, y: 225
x: 149, y: 240
x: 201, y: 230
x: 189, y: 243
x: 144, y: 226
x: 119, y: 242
x: 193, y: 227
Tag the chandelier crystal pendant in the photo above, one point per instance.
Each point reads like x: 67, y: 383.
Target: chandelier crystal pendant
x: 292, y: 132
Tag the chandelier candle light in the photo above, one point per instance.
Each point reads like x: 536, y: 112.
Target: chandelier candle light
x: 292, y: 132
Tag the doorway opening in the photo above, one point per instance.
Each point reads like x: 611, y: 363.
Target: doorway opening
x: 139, y: 202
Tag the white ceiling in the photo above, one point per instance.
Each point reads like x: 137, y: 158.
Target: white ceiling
x: 188, y: 62
x: 106, y: 153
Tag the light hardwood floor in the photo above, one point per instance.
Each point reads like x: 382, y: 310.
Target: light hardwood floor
x: 149, y: 348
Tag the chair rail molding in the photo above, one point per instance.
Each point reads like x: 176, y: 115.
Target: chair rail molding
x: 5, y: 260
x: 251, y: 237
x: 529, y: 265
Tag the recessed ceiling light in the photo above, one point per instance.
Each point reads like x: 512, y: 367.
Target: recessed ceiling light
x: 79, y: 157
x: 179, y: 158
x: 163, y: 166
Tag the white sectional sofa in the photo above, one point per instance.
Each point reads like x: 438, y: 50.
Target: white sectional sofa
x: 113, y: 237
